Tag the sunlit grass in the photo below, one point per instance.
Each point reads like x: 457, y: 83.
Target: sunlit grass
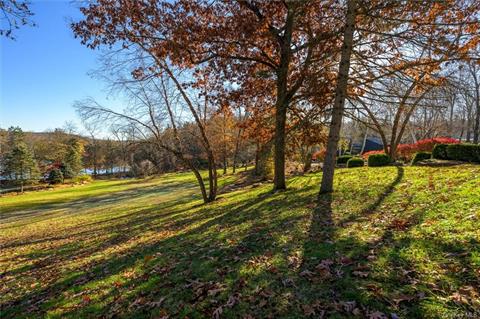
x: 396, y: 240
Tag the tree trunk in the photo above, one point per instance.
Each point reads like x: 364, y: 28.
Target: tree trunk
x: 212, y: 169
x: 21, y: 176
x: 235, y: 152
x: 476, y: 124
x: 402, y: 126
x: 200, y: 183
x: 281, y: 104
x: 412, y: 134
x: 476, y: 104
x: 450, y: 119
x: 307, y: 163
x: 469, y: 125
x: 212, y: 178
x: 339, y: 102
x: 279, y: 152
x: 365, y: 137
x: 257, y: 159
x: 262, y: 168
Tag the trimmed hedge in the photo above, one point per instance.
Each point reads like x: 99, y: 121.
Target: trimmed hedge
x: 379, y: 160
x: 355, y: 162
x: 464, y: 152
x: 420, y: 156
x: 343, y: 159
x: 440, y: 151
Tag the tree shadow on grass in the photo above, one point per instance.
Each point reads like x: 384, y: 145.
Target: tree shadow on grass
x: 346, y: 274
x: 28, y: 210
x: 246, y: 255
x: 331, y: 260
x: 199, y: 250
x: 372, y: 207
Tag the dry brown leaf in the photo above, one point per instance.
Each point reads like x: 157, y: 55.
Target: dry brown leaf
x: 157, y: 303
x: 308, y: 310
x: 397, y: 299
x: 307, y: 273
x: 217, y: 312
x: 345, y: 261
x: 347, y: 306
x: 361, y: 274
x: 377, y: 315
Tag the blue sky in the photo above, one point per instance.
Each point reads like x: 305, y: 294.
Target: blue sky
x: 45, y: 70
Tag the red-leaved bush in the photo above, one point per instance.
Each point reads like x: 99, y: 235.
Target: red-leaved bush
x: 406, y: 151
x: 320, y: 155
x: 367, y: 154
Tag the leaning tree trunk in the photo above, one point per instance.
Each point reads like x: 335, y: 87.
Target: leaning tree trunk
x: 212, y: 169
x: 339, y: 102
x: 199, y: 178
x: 400, y: 127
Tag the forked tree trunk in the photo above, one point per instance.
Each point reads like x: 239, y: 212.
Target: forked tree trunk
x: 212, y: 169
x: 400, y: 126
x: 339, y: 102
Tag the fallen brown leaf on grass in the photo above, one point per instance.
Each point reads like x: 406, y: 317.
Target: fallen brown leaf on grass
x: 361, y: 274
x: 397, y: 299
x: 232, y: 300
x: 216, y: 314
x: 345, y: 261
x: 466, y: 295
x: 324, y: 268
x: 377, y: 315
x: 147, y: 258
x: 157, y: 303
x: 308, y: 310
x: 399, y: 224
x: 346, y: 306
x: 307, y: 273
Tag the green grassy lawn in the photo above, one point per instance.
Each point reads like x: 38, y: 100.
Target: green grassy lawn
x: 399, y: 241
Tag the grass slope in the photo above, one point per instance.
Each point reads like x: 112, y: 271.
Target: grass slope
x: 396, y: 241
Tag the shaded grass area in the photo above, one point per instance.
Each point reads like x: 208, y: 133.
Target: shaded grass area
x: 398, y: 241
